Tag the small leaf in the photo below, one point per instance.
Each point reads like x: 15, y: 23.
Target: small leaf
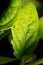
x: 4, y: 60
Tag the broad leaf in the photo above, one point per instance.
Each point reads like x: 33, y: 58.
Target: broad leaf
x: 25, y: 29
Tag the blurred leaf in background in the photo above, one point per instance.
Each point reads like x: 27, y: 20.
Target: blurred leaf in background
x: 4, y: 60
x: 41, y: 28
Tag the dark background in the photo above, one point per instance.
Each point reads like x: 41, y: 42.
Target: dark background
x: 6, y: 48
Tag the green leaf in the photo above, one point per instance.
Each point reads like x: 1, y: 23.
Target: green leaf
x: 9, y: 14
x: 37, y: 62
x: 41, y: 28
x: 4, y: 60
x: 25, y: 29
